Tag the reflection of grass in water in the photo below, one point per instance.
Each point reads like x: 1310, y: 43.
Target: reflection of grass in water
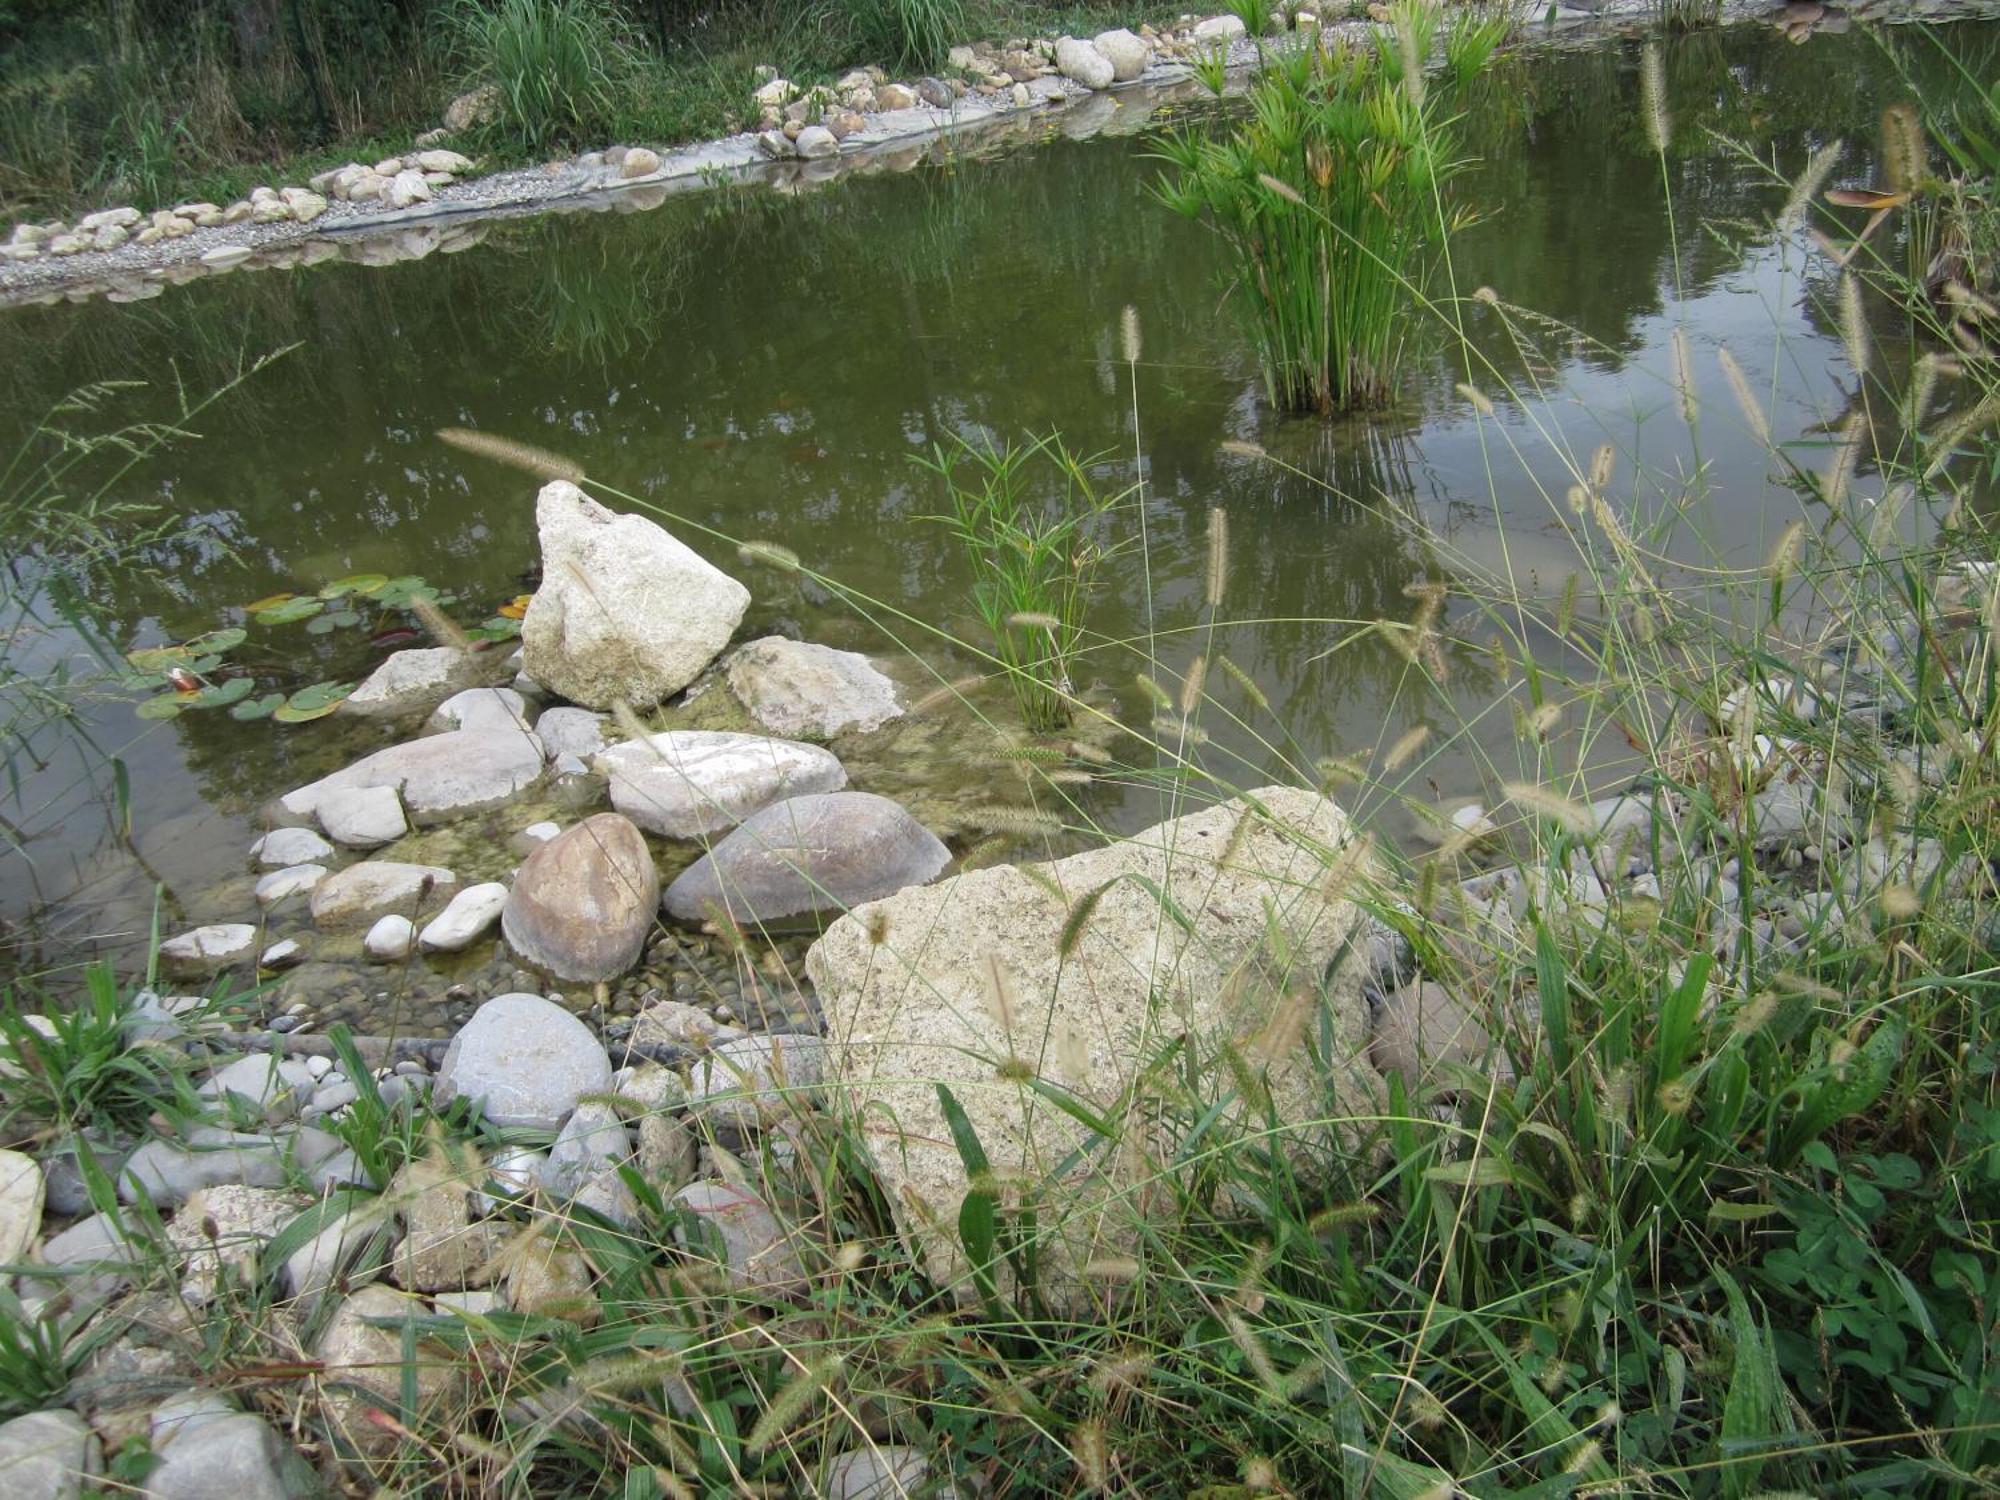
x: 586, y: 301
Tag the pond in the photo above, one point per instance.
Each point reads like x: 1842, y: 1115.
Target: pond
x: 765, y: 366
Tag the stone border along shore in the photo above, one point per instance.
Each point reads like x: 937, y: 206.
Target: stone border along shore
x: 130, y: 257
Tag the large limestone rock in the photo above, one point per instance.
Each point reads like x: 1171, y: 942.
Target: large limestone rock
x: 1128, y: 54
x: 967, y: 983
x: 688, y: 783
x: 809, y: 854
x: 528, y: 1059
x: 625, y: 612
x: 583, y: 902
x: 1082, y: 63
x: 811, y: 692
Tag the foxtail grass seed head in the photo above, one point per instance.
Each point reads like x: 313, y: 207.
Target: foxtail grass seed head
x: 1578, y: 498
x: 1284, y: 1030
x: 1024, y: 821
x: 1542, y: 718
x: 1476, y: 398
x: 524, y: 456
x: 1755, y: 1016
x: 1573, y: 817
x: 1684, y: 389
x: 1410, y: 50
x: 1602, y: 463
x: 1900, y: 902
x: 1118, y: 1270
x: 1218, y: 555
x: 1674, y: 1097
x: 1922, y: 387
x: 1192, y: 685
x: 632, y: 726
x: 442, y: 628
x: 1028, y: 619
x: 1653, y: 98
x: 947, y: 692
x: 1746, y: 400
x: 1406, y: 746
x: 1840, y: 465
x: 1905, y: 154
x: 1283, y: 189
x: 1340, y: 1216
x: 1181, y: 731
x: 1119, y: 1374
x: 1487, y: 295
x: 1339, y: 770
x: 1087, y: 1451
x: 1785, y: 553
x: 770, y: 555
x: 1128, y: 334
x: 1806, y: 188
x: 1161, y: 699
x: 1853, y: 324
x: 1245, y: 683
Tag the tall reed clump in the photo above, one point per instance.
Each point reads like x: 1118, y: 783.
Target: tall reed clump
x: 1329, y: 198
x: 1034, y: 558
x: 564, y: 69
x: 902, y: 33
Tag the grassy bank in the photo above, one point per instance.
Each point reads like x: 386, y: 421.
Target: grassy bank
x: 109, y: 102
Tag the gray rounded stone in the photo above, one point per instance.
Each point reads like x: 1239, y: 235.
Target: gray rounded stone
x: 809, y: 854
x: 528, y: 1060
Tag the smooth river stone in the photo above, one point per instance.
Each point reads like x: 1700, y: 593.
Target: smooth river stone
x: 378, y: 887
x: 807, y: 854
x: 688, y: 783
x: 282, y: 885
x: 363, y: 817
x: 21, y: 1190
x: 529, y: 1060
x: 487, y: 763
x: 470, y: 913
x: 583, y: 903
x: 284, y: 847
x: 208, y: 950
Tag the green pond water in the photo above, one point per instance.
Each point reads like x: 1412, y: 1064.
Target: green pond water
x: 766, y: 364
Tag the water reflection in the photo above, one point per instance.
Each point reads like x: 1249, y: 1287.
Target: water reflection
x: 767, y: 365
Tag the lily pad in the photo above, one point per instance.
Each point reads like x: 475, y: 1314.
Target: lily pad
x: 398, y: 592
x: 159, y: 658
x: 258, y: 708
x: 354, y: 583
x: 314, y: 702
x: 320, y: 625
x: 222, y: 694
x: 502, y: 628
x: 166, y: 706
x: 290, y: 611
x: 269, y: 601
x: 217, y: 642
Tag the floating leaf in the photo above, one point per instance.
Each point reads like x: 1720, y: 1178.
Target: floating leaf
x: 203, y: 665
x: 222, y: 694
x: 166, y: 706
x: 258, y: 708
x: 321, y: 625
x: 159, y: 658
x: 502, y: 627
x: 354, y: 583
x: 217, y: 642
x: 516, y: 607
x: 314, y: 702
x: 290, y: 611
x: 398, y: 592
x: 269, y: 601
x: 1865, y: 198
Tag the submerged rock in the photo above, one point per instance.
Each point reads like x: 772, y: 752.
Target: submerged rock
x: 583, y: 902
x: 208, y: 950
x: 992, y: 970
x: 690, y: 782
x: 377, y: 888
x: 821, y: 853
x: 806, y: 691
x: 362, y: 817
x: 625, y: 612
x: 483, y: 765
x: 527, y: 1059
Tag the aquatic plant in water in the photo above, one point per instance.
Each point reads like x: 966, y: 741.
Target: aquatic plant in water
x: 1328, y: 197
x: 1033, y: 561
